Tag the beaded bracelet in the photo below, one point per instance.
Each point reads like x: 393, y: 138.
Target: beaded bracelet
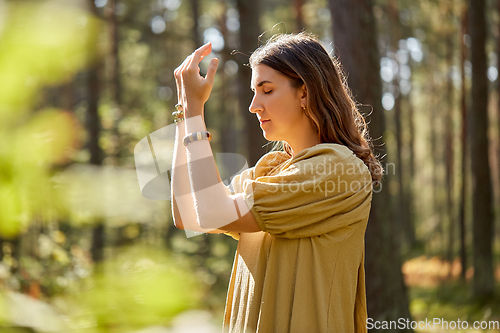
x: 196, y: 137
x: 178, y: 114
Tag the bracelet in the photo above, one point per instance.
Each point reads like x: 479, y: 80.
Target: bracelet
x: 178, y: 114
x: 196, y: 137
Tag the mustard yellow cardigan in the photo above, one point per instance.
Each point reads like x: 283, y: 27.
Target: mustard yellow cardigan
x: 304, y: 272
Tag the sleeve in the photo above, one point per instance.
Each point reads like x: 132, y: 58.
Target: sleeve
x: 301, y: 201
x: 235, y: 235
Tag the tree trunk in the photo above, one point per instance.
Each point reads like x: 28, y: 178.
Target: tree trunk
x: 498, y: 113
x: 114, y: 79
x: 195, y: 30
x: 411, y: 170
x: 114, y: 58
x: 354, y: 30
x: 449, y: 146
x: 434, y: 159
x: 299, y: 18
x: 227, y: 120
x: 464, y: 169
x: 249, y: 33
x: 404, y: 220
x: 483, y: 284
x: 93, y: 121
x: 97, y: 248
x: 93, y: 127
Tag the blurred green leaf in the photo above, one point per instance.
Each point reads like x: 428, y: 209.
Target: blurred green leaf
x: 140, y: 287
x: 27, y: 190
x: 42, y: 42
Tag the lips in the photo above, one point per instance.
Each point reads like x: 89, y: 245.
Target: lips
x: 264, y: 121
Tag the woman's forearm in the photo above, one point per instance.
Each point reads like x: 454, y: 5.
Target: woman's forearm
x: 183, y: 206
x: 215, y: 207
x: 213, y: 203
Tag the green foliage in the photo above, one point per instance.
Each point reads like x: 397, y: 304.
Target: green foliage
x: 40, y: 43
x: 140, y: 287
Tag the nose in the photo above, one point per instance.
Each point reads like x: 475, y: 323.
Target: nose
x: 255, y: 106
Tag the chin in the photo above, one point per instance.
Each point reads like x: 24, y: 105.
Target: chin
x: 268, y: 137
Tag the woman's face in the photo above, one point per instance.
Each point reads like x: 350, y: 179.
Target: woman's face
x: 277, y: 104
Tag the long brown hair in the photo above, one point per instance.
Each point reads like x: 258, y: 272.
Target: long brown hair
x: 330, y: 105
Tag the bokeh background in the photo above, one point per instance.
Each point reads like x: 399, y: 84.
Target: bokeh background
x: 83, y: 81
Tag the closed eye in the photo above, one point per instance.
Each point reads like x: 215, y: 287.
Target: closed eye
x: 268, y: 92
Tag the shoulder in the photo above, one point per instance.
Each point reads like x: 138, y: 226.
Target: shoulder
x: 324, y: 159
x: 330, y: 159
x: 326, y: 153
x: 330, y: 150
x: 268, y: 162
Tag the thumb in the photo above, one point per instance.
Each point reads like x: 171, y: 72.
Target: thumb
x: 212, y: 68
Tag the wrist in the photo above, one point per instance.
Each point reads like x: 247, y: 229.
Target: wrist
x: 195, y: 124
x: 193, y: 109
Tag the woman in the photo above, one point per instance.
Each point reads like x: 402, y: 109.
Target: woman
x: 299, y: 214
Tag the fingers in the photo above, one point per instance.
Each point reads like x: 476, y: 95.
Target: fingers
x: 179, y: 78
x: 178, y: 70
x: 188, y: 79
x: 199, y: 54
x: 212, y: 68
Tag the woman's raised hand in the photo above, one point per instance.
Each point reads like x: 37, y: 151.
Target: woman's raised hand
x: 193, y: 90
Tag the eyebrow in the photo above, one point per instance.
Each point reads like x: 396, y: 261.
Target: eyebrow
x: 260, y: 84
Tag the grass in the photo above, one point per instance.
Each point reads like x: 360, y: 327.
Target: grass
x: 435, y: 291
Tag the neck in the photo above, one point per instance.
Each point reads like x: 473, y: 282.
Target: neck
x: 299, y: 145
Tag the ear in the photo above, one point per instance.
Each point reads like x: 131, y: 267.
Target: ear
x: 302, y: 93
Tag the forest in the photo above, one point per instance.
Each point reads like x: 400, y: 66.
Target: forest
x: 86, y: 84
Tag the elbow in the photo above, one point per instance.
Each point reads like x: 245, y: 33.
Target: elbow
x: 177, y: 221
x: 176, y: 215
x: 178, y: 224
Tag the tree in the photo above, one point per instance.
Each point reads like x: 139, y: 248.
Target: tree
x: 403, y: 210
x: 299, y: 18
x: 356, y: 42
x: 449, y: 141
x: 249, y: 33
x: 463, y: 139
x: 93, y: 127
x: 114, y: 73
x: 114, y: 58
x: 228, y: 106
x: 498, y: 113
x: 195, y: 30
x: 482, y: 212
